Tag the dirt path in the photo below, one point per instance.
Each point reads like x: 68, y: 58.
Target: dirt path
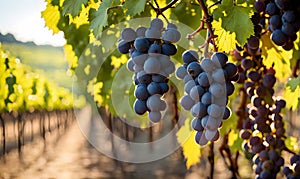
x: 67, y: 155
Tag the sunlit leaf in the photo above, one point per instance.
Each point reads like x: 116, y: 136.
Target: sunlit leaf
x: 273, y: 55
x: 191, y: 150
x: 51, y: 16
x: 232, y: 25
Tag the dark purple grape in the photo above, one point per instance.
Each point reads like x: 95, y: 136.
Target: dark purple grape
x: 281, y: 103
x: 253, y: 43
x: 294, y: 159
x: 254, y: 76
x: 278, y: 37
x: 267, y: 165
x: 259, y: 6
x: 245, y: 134
x: 286, y: 171
x: 275, y: 22
x: 255, y: 20
x: 288, y: 46
x: 273, y: 155
x: 227, y: 113
x: 254, y: 140
x: 288, y: 29
x: 190, y: 56
x: 230, y: 69
x: 269, y: 80
x: 229, y: 88
x: 247, y: 63
x: 271, y: 9
x: 265, y: 174
x: 263, y: 155
x: 288, y: 16
x: 283, y: 4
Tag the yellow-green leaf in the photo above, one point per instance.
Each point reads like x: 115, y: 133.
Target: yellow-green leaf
x: 292, y: 94
x: 272, y: 54
x: 232, y: 25
x: 191, y: 150
x: 291, y: 143
x: 51, y: 15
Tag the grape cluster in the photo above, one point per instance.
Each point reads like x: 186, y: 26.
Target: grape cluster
x: 150, y: 50
x: 207, y: 87
x: 262, y: 127
x: 293, y: 172
x: 283, y: 20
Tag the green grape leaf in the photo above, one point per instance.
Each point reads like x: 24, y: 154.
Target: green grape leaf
x: 101, y: 16
x: 272, y: 55
x: 293, y: 83
x: 186, y: 138
x: 134, y: 7
x: 232, y: 24
x: 73, y: 7
x: 292, y: 94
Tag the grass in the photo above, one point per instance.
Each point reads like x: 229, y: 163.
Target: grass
x: 47, y: 59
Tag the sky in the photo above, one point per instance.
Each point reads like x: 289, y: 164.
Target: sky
x: 23, y: 19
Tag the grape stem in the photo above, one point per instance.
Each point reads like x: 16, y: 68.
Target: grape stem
x: 225, y: 150
x: 296, y: 68
x: 206, y: 19
x: 211, y: 159
x: 159, y: 11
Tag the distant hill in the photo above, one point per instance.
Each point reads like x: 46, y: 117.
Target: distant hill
x: 10, y: 38
x: 47, y: 59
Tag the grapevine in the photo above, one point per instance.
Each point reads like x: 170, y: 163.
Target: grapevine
x: 239, y: 83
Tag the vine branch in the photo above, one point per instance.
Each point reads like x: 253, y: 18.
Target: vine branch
x: 158, y: 10
x: 296, y: 68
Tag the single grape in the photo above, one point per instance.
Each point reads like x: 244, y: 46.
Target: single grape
x: 190, y: 56
x: 227, y: 113
x: 154, y: 116
x: 196, y: 124
x: 129, y: 65
x: 196, y: 92
x: 143, y: 77
x: 153, y: 88
x: 275, y: 22
x: 259, y: 6
x: 163, y: 87
x: 288, y: 29
x: 140, y: 31
x: 140, y: 107
x: 154, y: 102
x: 215, y: 111
x: 206, y: 98
x: 154, y: 49
x: 189, y: 85
x: 168, y: 49
x: 230, y: 69
x: 181, y: 72
x: 187, y: 78
x: 278, y: 37
x: 170, y: 68
x: 141, y: 92
x: 210, y: 123
x: 128, y: 34
x: 211, y: 134
x: 186, y: 102
x: 219, y: 76
x: 207, y: 65
x: 263, y: 155
x: 200, y: 138
x: 194, y: 69
x: 139, y: 58
x: 254, y: 76
x: 247, y: 63
x: 217, y: 90
x: 141, y: 44
x: 253, y: 42
x: 171, y: 36
x: 123, y: 47
x: 156, y: 24
x: 171, y: 26
x: 159, y: 78
x: 152, y: 65
x: 153, y: 33
x: 229, y: 88
x: 203, y: 79
x: 198, y: 110
x: 288, y: 16
x: 220, y: 59
x: 269, y: 80
x: 271, y: 9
